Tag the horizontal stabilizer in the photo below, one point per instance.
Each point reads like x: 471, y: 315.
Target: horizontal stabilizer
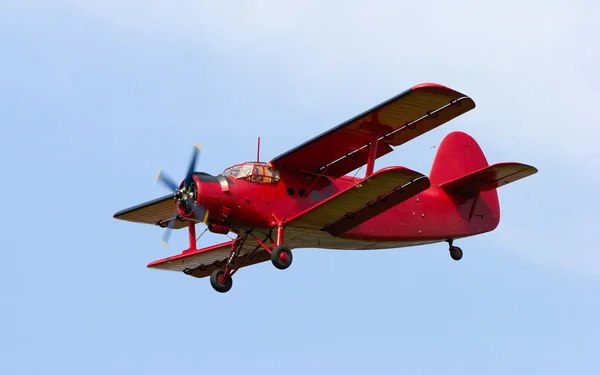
x: 488, y: 178
x: 351, y: 203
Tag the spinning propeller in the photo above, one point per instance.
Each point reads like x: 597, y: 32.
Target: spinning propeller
x: 185, y: 194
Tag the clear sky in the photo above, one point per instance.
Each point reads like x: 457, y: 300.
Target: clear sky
x: 95, y: 96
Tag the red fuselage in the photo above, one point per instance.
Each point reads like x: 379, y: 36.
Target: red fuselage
x: 433, y: 215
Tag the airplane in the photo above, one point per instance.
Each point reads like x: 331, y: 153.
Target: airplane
x: 306, y: 197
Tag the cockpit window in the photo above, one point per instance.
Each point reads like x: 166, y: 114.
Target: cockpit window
x: 255, y: 172
x: 273, y: 173
x: 244, y: 171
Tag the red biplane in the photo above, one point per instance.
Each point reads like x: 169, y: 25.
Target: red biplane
x: 305, y: 198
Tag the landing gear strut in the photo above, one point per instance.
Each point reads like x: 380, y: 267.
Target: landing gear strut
x: 281, y: 257
x: 456, y: 252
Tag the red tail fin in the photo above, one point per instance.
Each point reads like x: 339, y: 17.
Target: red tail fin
x: 461, y: 169
x: 458, y: 156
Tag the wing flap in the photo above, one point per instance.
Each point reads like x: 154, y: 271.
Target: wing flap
x: 393, y: 122
x: 488, y: 178
x: 352, y: 199
x: 156, y: 212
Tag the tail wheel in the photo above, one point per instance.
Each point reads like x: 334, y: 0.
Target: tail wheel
x: 281, y: 257
x: 220, y: 282
x: 456, y: 252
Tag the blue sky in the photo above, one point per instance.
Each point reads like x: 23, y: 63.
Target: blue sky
x: 96, y: 97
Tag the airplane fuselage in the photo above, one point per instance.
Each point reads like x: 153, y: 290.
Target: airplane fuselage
x: 430, y: 216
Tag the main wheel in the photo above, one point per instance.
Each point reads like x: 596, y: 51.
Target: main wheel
x: 281, y: 257
x: 456, y: 252
x: 220, y: 282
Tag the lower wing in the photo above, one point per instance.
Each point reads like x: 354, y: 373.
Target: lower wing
x: 201, y: 262
x: 366, y: 199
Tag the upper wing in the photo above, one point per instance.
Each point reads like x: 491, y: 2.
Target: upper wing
x: 158, y: 211
x: 366, y: 199
x: 396, y: 121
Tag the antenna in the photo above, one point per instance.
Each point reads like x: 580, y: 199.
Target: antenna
x: 258, y: 151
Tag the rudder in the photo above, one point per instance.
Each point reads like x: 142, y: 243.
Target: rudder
x: 457, y: 156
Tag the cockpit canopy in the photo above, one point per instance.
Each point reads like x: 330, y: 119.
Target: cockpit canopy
x: 255, y: 172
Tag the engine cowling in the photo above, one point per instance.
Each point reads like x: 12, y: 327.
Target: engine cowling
x: 207, y: 192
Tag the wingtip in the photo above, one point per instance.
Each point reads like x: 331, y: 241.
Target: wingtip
x: 438, y: 87
x: 428, y: 85
x: 532, y: 169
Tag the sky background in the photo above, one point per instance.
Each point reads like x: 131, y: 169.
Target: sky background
x: 95, y: 96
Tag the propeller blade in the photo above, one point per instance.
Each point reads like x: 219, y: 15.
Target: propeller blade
x: 169, y: 228
x: 202, y: 213
x: 166, y: 180
x: 192, y: 165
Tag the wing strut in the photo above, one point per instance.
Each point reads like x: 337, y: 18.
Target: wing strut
x: 192, y: 234
x: 372, y: 156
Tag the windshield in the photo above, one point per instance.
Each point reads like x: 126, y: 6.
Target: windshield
x: 255, y: 172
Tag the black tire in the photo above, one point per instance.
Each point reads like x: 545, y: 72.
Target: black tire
x: 281, y: 257
x: 456, y: 252
x: 219, y: 282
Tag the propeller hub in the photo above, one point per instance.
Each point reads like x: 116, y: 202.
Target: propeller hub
x: 184, y: 193
x: 186, y: 197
